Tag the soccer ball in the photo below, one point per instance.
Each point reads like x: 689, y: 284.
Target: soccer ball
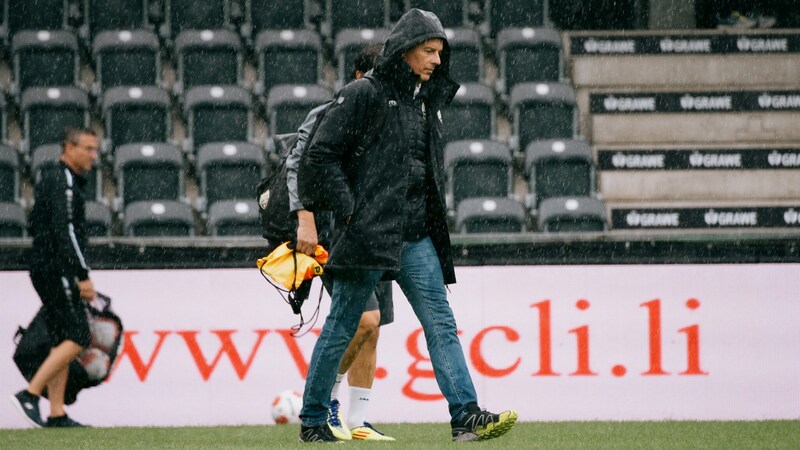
x: 286, y: 407
x: 104, y: 333
x: 96, y: 363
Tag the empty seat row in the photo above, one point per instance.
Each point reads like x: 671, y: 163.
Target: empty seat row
x: 505, y: 215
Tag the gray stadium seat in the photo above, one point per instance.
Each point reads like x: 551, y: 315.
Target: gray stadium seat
x: 490, y: 215
x: 471, y: 114
x: 559, y: 168
x: 47, y: 156
x: 287, y: 57
x: 514, y: 14
x: 45, y: 112
x: 262, y: 15
x: 12, y: 220
x: 44, y: 58
x: 466, y: 56
x: 528, y: 54
x: 113, y: 15
x: 217, y: 114
x: 288, y: 105
x: 3, y: 119
x: 181, y: 15
x: 148, y: 171
x: 136, y: 114
x: 348, y: 44
x: 572, y: 214
x: 36, y: 15
x: 542, y: 111
x: 234, y: 218
x: 452, y: 13
x: 9, y: 174
x: 207, y: 57
x: 480, y: 168
x: 229, y: 171
x: 126, y: 58
x: 98, y: 219
x: 158, y: 218
x: 360, y: 14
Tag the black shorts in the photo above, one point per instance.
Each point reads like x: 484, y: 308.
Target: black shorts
x: 65, y: 312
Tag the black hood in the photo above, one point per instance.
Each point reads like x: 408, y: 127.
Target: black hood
x: 415, y: 27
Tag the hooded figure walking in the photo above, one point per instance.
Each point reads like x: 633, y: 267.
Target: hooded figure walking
x: 388, y: 201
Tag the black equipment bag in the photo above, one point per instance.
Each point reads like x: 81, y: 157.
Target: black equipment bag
x: 33, y: 346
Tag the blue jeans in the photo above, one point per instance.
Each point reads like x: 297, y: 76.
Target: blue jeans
x: 420, y: 278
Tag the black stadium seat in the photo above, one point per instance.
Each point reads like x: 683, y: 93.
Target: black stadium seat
x: 452, y: 13
x: 559, y: 168
x: 158, y: 219
x: 542, y: 111
x: 207, y: 57
x: 45, y: 112
x: 466, y: 56
x: 113, y: 15
x: 36, y: 15
x: 343, y: 14
x: 228, y: 171
x: 9, y: 174
x: 471, y: 114
x: 98, y: 219
x: 183, y: 15
x: 514, y: 14
x: 262, y: 15
x: 234, y: 218
x: 136, y: 114
x: 288, y: 105
x: 479, y: 168
x: 528, y: 54
x: 126, y: 58
x: 43, y: 59
x: 490, y: 215
x: 349, y: 43
x: 12, y: 220
x: 287, y: 57
x: 217, y: 114
x: 150, y: 171
x: 572, y: 214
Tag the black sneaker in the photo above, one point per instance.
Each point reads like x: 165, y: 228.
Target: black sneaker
x: 480, y: 425
x: 28, y: 405
x: 63, y: 422
x: 317, y: 433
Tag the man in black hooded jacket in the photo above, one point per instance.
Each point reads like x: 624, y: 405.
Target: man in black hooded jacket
x: 387, y: 197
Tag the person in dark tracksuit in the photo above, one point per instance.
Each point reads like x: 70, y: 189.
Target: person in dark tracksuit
x: 387, y: 197
x: 60, y: 274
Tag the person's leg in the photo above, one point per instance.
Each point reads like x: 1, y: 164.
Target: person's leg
x: 421, y: 280
x: 362, y: 371
x: 55, y: 392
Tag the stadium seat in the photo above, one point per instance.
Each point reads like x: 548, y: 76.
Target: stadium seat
x: 466, y: 57
x: 471, y: 114
x: 217, y: 114
x: 126, y: 58
x: 158, y: 218
x: 13, y: 223
x: 348, y: 44
x: 207, y: 57
x: 262, y: 15
x: 572, y: 214
x: 148, y: 172
x: 183, y: 15
x: 98, y: 219
x: 528, y: 54
x: 44, y: 58
x: 36, y: 15
x: 113, y: 15
x: 355, y: 14
x: 228, y: 171
x: 9, y: 174
x: 46, y: 157
x: 490, y: 215
x: 542, y: 111
x: 288, y: 105
x: 135, y: 114
x: 3, y: 119
x: 559, y: 168
x: 287, y: 57
x: 45, y: 112
x: 479, y: 168
x: 234, y: 218
x: 452, y: 13
x: 514, y: 14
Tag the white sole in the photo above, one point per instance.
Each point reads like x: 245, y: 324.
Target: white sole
x: 21, y: 410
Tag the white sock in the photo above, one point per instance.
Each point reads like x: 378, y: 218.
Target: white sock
x: 357, y: 409
x: 335, y: 390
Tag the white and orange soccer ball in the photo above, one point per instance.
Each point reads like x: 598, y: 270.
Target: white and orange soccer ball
x: 104, y: 333
x: 286, y: 407
x: 96, y: 363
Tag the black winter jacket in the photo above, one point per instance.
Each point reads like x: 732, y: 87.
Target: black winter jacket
x: 57, y: 225
x: 366, y: 188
